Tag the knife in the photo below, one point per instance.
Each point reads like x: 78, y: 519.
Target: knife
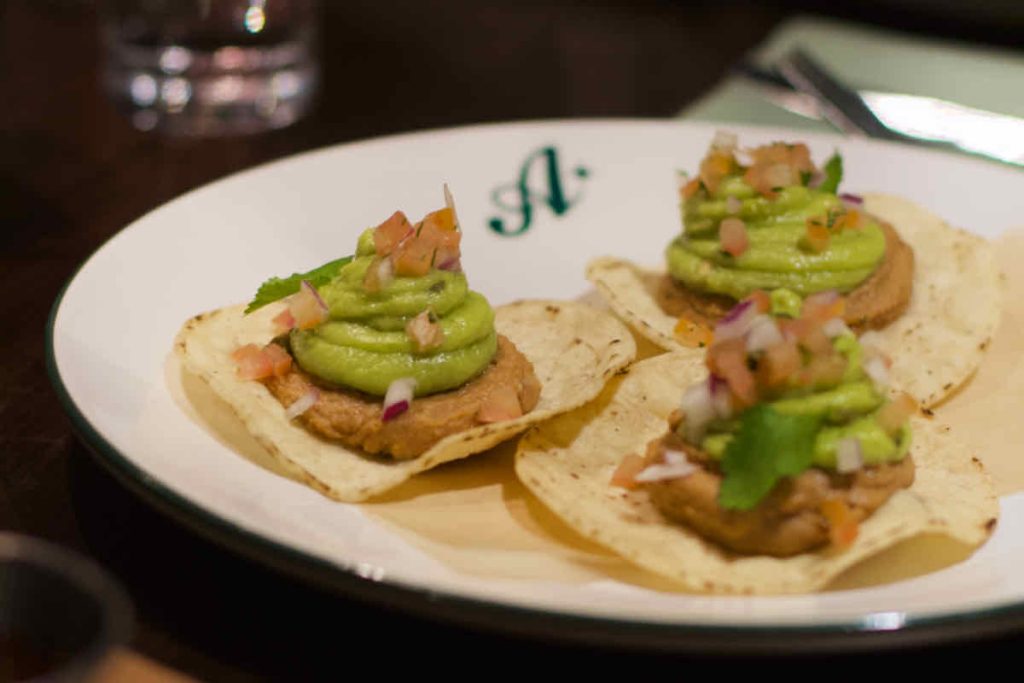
x: 804, y: 87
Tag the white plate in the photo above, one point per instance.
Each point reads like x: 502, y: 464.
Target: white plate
x: 112, y: 330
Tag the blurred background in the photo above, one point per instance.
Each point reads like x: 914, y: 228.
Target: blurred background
x: 78, y: 163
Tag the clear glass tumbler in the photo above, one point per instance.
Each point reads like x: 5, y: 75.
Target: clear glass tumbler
x: 211, y: 67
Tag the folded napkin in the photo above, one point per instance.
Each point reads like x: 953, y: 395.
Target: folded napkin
x: 876, y: 59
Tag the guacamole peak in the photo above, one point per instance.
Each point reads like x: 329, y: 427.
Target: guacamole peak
x: 771, y: 220
x: 788, y: 393
x: 401, y: 308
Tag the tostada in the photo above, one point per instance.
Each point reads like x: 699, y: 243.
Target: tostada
x: 769, y: 218
x: 362, y: 372
x: 785, y: 461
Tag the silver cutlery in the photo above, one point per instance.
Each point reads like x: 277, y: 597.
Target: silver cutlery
x: 801, y: 85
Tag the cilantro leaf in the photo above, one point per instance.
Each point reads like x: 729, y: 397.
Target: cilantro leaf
x: 278, y: 288
x: 833, y: 174
x: 768, y: 446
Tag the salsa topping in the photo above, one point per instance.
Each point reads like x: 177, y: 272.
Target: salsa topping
x: 398, y: 398
x: 767, y: 218
x: 399, y: 308
x: 786, y: 394
x: 425, y: 333
x: 255, y: 362
x: 306, y: 307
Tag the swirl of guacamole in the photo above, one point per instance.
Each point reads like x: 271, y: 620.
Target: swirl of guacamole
x: 773, y: 201
x: 365, y: 343
x: 844, y: 409
x: 791, y: 388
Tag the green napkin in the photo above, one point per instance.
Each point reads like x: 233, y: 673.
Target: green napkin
x: 876, y: 59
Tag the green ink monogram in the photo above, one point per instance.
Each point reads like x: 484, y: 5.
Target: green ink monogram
x: 524, y: 198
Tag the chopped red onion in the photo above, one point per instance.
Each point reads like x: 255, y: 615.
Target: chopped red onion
x: 876, y: 369
x: 424, y: 331
x: 398, y: 398
x: 854, y: 199
x: 698, y: 409
x: 308, y: 286
x: 733, y: 205
x: 449, y: 201
x: 674, y: 457
x: 835, y: 328
x: 303, y: 403
x: 721, y: 397
x: 849, y: 457
x: 451, y: 264
x: 385, y: 272
x: 394, y: 410
x: 306, y: 307
x: 675, y: 466
x: 764, y: 333
x: 737, y: 321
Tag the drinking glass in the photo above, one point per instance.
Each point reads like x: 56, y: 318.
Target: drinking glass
x: 61, y: 616
x: 210, y: 67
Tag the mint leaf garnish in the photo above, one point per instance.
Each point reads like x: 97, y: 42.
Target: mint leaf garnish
x: 833, y: 174
x: 278, y: 288
x: 767, y: 447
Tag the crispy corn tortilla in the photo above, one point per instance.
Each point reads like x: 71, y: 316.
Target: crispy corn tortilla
x: 574, y: 349
x: 935, y: 345
x: 568, y: 463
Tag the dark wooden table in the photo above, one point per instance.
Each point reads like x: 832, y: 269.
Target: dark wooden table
x: 73, y: 172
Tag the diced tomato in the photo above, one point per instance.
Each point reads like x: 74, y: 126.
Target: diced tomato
x: 762, y: 300
x: 280, y: 360
x: 434, y: 234
x: 807, y: 333
x: 817, y: 237
x: 424, y: 332
x: 624, y: 475
x: 500, y: 405
x: 848, y: 220
x: 693, y: 334
x: 307, y: 308
x: 442, y: 219
x: 259, y: 363
x: 824, y: 370
x: 283, y: 321
x: 732, y: 236
x: 815, y: 340
x: 796, y: 155
x: 413, y: 257
x: 252, y: 362
x: 391, y: 233
x: 823, y: 306
x: 777, y: 165
x: 728, y: 360
x: 895, y: 414
x: 690, y: 188
x: 778, y: 363
x: 432, y: 244
x: 716, y: 166
x: 842, y: 524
